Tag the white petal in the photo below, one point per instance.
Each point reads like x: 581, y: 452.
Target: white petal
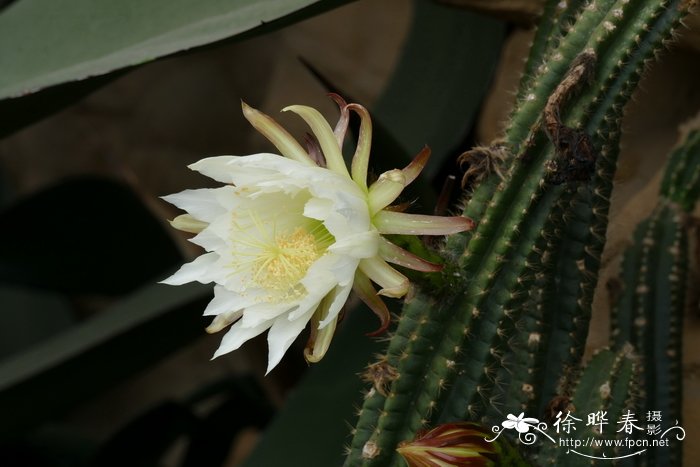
x: 238, y: 335
x: 312, y: 299
x: 223, y: 301
x: 282, y: 334
x: 320, y: 280
x: 261, y: 312
x: 202, y: 269
x: 203, y: 204
x: 349, y: 212
x: 223, y: 320
x: 317, y: 208
x: 340, y: 296
x: 215, y: 167
x: 344, y: 269
x: 221, y: 228
x: 249, y: 170
x: 209, y: 239
x: 187, y: 223
x: 393, y: 283
x: 321, y: 342
x: 360, y: 245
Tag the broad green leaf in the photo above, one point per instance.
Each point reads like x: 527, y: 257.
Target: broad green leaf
x: 47, y: 42
x: 63, y: 371
x: 437, y: 88
x: 32, y: 108
x: 86, y: 235
x: 29, y: 316
x: 313, y: 426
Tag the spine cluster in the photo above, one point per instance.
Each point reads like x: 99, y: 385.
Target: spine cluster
x: 649, y: 297
x: 513, y: 322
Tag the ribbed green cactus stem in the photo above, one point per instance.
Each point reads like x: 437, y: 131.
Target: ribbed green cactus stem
x: 582, y: 245
x: 447, y: 352
x: 649, y: 298
x: 607, y: 387
x: 542, y: 337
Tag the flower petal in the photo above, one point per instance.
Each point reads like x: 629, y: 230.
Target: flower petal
x: 282, y: 334
x: 244, y: 171
x: 265, y: 311
x: 319, y: 340
x: 393, y: 283
x: 238, y: 335
x: 322, y: 130
x: 360, y: 161
x: 187, y: 223
x: 211, y: 238
x: 397, y: 255
x: 359, y: 245
x: 223, y: 320
x: 385, y: 190
x: 412, y: 170
x: 199, y: 270
x: 342, y: 126
x: 325, y: 274
x: 223, y: 301
x: 202, y: 204
x: 323, y: 324
x: 334, y: 302
x: 389, y: 222
x: 364, y: 289
x: 343, y: 216
x: 270, y: 129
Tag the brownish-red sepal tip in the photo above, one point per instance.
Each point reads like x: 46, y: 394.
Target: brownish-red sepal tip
x: 368, y: 294
x: 314, y: 150
x: 394, y: 254
x: 470, y: 224
x: 412, y: 170
x: 338, y: 99
x: 380, y: 309
x: 381, y: 329
x: 342, y: 126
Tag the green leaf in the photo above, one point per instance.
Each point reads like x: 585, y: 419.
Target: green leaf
x: 85, y: 235
x: 313, y: 426
x: 30, y: 316
x: 245, y: 406
x: 438, y: 86
x: 145, y: 439
x: 45, y: 42
x: 34, y: 107
x: 50, y: 378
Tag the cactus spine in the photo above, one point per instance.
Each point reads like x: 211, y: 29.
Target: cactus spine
x: 603, y: 388
x: 649, y: 302
x: 450, y: 356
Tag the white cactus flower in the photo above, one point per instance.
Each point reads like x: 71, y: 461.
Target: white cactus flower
x: 287, y: 239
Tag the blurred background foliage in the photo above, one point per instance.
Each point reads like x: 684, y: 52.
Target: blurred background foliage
x: 103, y: 104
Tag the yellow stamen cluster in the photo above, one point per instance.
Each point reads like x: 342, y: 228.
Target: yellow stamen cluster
x: 283, y: 263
